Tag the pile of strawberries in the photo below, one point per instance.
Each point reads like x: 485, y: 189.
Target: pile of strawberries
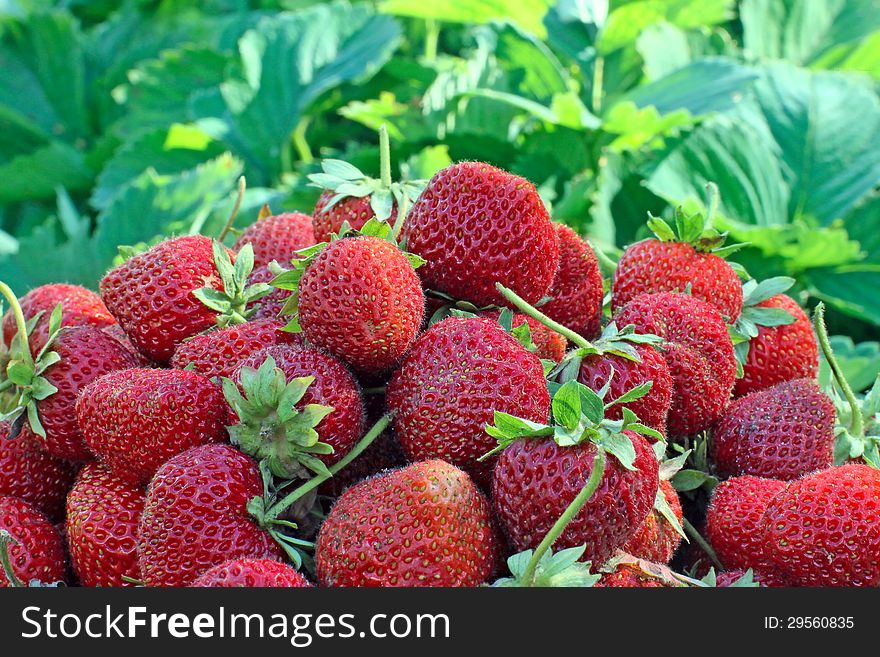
x: 430, y: 385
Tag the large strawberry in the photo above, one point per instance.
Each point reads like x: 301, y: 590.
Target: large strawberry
x: 698, y: 351
x: 251, y: 573
x: 455, y: 377
x: 475, y: 226
x: 179, y: 288
x: 576, y: 294
x: 426, y: 524
x: 196, y: 516
x: 781, y: 432
x: 134, y: 420
x: 30, y: 474
x: 824, y: 529
x: 277, y: 237
x: 103, y: 512
x: 686, y: 257
x: 34, y: 546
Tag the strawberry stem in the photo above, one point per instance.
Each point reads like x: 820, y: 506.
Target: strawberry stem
x: 384, y: 157
x: 401, y: 217
x: 570, y: 512
x: 533, y: 312
x: 5, y: 540
x: 20, y: 322
x: 858, y: 426
x: 691, y: 531
x: 242, y: 185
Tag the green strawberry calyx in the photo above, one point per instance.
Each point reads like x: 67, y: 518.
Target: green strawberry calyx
x: 752, y: 317
x: 24, y: 374
x: 231, y: 303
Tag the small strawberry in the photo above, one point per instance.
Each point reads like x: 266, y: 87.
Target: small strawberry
x: 103, y: 512
x: 134, y: 420
x: 634, y: 576
x: 781, y: 432
x: 269, y: 306
x: 220, y: 353
x: 698, y: 351
x: 277, y: 237
x: 177, y: 289
x: 548, y: 344
x: 576, y: 294
x: 660, y: 534
x: 196, y: 516
x: 30, y: 474
x: 33, y: 545
x: 824, y: 529
x: 426, y: 524
x: 458, y: 373
x: 475, y: 226
x: 689, y: 256
x: 251, y: 573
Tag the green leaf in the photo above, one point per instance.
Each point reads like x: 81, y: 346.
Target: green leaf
x: 688, y: 480
x: 566, y: 405
x: 620, y: 446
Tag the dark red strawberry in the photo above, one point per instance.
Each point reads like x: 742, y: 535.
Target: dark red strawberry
x: 475, y: 226
x: 79, y: 306
x: 269, y: 306
x: 196, y: 516
x: 698, y: 350
x: 328, y: 219
x: 360, y: 299
x: 733, y: 521
x: 36, y: 552
x: 457, y: 375
x: 30, y: 474
x: 135, y: 420
x: 689, y: 257
x: 634, y: 575
x: 423, y: 525
x: 657, y: 539
x: 103, y: 512
x: 576, y: 295
x: 220, y: 353
x: 548, y: 343
x: 277, y: 237
x: 781, y: 432
x: 251, y: 573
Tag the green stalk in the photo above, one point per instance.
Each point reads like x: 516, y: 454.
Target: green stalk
x: 598, y: 81
x: 280, y: 507
x: 20, y: 322
x: 691, y: 531
x: 570, y: 512
x: 402, y: 209
x: 300, y: 142
x: 858, y: 424
x: 533, y: 312
x: 242, y: 186
x: 384, y: 157
x: 432, y: 36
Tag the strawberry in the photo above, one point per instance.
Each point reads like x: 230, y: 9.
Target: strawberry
x: 426, y: 524
x: 781, y: 432
x: 135, y: 420
x: 251, y: 573
x: 548, y: 344
x: 633, y: 575
x: 35, y: 549
x: 576, y: 295
x: 30, y: 474
x: 277, y: 237
x: 196, y: 516
x: 79, y: 307
x: 734, y: 517
x: 476, y: 225
x: 689, y: 256
x: 657, y: 538
x: 177, y: 289
x: 824, y: 529
x: 458, y: 373
x: 698, y: 350
x: 328, y: 217
x: 115, y: 331
x: 360, y: 299
x: 220, y: 353
x: 103, y: 512
x: 269, y: 306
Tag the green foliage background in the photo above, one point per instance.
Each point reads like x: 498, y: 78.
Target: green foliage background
x: 123, y: 121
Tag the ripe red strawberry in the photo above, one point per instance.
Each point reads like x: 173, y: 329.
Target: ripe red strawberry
x: 631, y: 575
x: 824, y: 529
x: 251, y: 573
x: 277, y: 237
x: 779, y: 353
x: 103, y: 512
x: 477, y: 225
x: 781, y: 432
x: 269, y: 306
x: 177, y: 289
x: 657, y: 539
x: 36, y: 553
x: 79, y: 306
x: 549, y: 344
x: 426, y: 524
x: 689, y: 257
x: 28, y: 473
x: 457, y: 375
x: 135, y: 420
x: 196, y: 516
x: 576, y: 294
x: 219, y: 353
x: 360, y: 299
x: 733, y: 521
x: 327, y: 219
x: 698, y: 351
